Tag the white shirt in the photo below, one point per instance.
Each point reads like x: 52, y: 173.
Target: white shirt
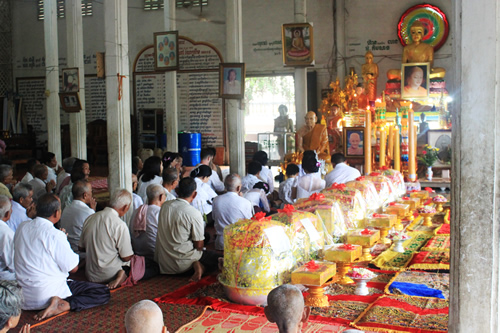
x: 203, y: 200
x: 285, y: 190
x: 137, y: 201
x: 144, y: 245
x: 60, y: 178
x: 39, y: 188
x: 341, y: 174
x: 248, y: 182
x: 52, y: 175
x: 72, y: 220
x: 257, y: 197
x: 141, y: 188
x: 18, y: 216
x: 27, y: 177
x: 169, y: 196
x: 308, y: 185
x: 42, y: 260
x: 228, y: 209
x: 215, y: 183
x: 7, y: 271
x: 267, y: 176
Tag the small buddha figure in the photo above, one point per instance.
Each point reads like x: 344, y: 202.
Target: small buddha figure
x: 369, y: 70
x: 423, y: 129
x: 417, y: 51
x: 283, y: 123
x: 361, y: 96
x: 313, y: 136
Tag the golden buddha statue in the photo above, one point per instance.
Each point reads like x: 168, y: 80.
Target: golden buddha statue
x: 369, y: 70
x: 417, y: 51
x: 313, y: 136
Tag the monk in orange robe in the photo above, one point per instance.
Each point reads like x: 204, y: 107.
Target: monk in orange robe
x: 313, y: 136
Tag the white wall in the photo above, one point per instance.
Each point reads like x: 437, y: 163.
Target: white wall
x: 365, y: 20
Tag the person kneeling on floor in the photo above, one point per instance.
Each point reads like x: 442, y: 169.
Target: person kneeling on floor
x: 42, y: 260
x: 285, y: 307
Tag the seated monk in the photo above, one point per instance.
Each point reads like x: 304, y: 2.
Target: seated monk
x: 313, y: 136
x: 417, y: 51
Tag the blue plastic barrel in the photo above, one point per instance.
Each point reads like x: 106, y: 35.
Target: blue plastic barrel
x: 190, y: 148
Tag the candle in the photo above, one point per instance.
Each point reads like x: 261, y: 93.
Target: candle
x: 397, y: 155
x: 368, y: 141
x: 390, y: 149
x: 412, y: 176
x: 383, y: 138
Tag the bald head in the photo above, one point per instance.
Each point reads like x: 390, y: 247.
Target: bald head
x: 285, y: 307
x: 144, y: 316
x: 311, y: 119
x: 233, y: 183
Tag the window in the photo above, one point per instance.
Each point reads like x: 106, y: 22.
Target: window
x: 61, y: 6
x: 188, y: 3
x: 158, y: 4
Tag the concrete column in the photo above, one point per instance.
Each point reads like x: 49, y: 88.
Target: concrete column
x: 340, y: 38
x: 117, y: 94
x: 74, y: 41
x: 235, y: 121
x: 475, y: 227
x: 300, y: 72
x: 171, y: 85
x: 52, y: 77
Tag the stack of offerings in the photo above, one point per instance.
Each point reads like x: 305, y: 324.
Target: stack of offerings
x: 396, y: 178
x: 329, y: 211
x: 260, y: 253
x: 369, y: 193
x: 384, y: 187
x: 351, y: 201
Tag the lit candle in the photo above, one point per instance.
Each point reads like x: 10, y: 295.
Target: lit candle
x: 368, y: 141
x: 383, y: 138
x: 397, y: 154
x: 412, y: 174
x: 390, y: 149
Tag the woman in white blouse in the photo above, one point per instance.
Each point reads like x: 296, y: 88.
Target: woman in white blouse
x: 150, y: 174
x: 205, y: 196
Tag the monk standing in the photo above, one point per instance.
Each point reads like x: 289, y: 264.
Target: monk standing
x: 313, y: 136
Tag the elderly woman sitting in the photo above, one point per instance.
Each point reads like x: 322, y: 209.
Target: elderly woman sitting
x: 11, y: 299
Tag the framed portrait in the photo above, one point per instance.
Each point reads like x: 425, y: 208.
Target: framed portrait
x: 70, y: 80
x: 166, y: 45
x: 415, y: 80
x: 70, y: 102
x: 441, y: 139
x: 298, y: 44
x: 353, y: 141
x: 232, y: 80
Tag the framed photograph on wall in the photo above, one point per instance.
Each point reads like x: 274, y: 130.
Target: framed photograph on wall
x: 353, y: 140
x: 232, y: 80
x: 70, y: 80
x: 298, y: 44
x: 440, y: 139
x: 415, y: 80
x: 70, y: 102
x: 166, y: 45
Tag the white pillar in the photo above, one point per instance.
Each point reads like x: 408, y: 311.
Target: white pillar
x: 117, y: 94
x: 300, y: 16
x: 74, y: 39
x: 171, y: 85
x: 475, y: 222
x: 340, y: 38
x: 52, y: 78
x: 235, y: 118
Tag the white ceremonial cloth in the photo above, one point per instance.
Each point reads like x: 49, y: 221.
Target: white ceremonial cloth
x: 7, y: 271
x: 228, y: 209
x: 72, y: 220
x: 341, y: 174
x: 257, y: 197
x: 42, y: 260
x: 308, y: 185
x: 285, y: 190
x: 18, y: 216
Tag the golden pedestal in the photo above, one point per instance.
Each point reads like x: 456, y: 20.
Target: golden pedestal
x: 342, y: 269
x: 366, y: 238
x: 427, y: 219
x: 439, y: 206
x: 384, y: 231
x: 317, y: 295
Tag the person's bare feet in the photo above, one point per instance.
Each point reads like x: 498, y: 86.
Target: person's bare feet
x: 198, y: 272
x: 56, y: 306
x: 120, y: 278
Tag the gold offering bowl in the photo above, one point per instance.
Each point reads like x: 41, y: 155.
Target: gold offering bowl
x: 317, y: 295
x: 439, y: 206
x: 427, y: 219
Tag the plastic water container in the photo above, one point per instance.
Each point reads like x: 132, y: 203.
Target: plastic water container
x: 190, y: 148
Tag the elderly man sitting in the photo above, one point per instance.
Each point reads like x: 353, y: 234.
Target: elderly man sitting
x: 106, y: 240
x: 6, y: 179
x: 11, y: 300
x: 23, y: 207
x: 42, y: 260
x: 229, y: 208
x: 285, y: 307
x: 74, y: 215
x: 144, y: 316
x: 7, y: 271
x: 40, y: 172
